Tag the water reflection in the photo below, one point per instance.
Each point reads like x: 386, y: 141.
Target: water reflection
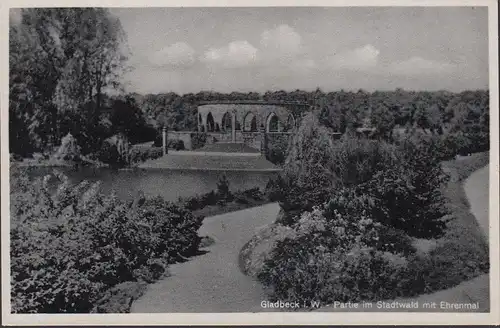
x: 170, y: 184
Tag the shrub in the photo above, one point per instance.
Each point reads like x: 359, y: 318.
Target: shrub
x: 109, y: 154
x: 171, y: 143
x: 115, y: 151
x: 241, y: 199
x: 316, y: 166
x: 193, y: 203
x: 332, y: 258
x: 254, y: 193
x: 248, y: 196
x: 277, y: 148
x: 174, y: 227
x: 460, y: 170
x: 394, y: 241
x: 223, y: 192
x: 209, y: 198
x: 69, y: 149
x: 295, y: 199
x: 138, y: 154
x: 16, y: 158
x: 408, y: 202
x: 198, y: 140
x: 119, y: 298
x: 176, y: 144
x: 69, y: 246
x: 411, y: 193
x: 307, y: 176
x: 310, y: 152
x: 357, y: 160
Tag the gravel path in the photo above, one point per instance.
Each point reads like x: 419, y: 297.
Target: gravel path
x: 477, y: 191
x: 213, y: 282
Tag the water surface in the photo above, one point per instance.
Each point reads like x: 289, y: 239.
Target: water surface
x: 170, y: 184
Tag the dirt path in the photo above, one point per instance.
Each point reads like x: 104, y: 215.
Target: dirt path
x: 213, y: 282
x: 477, y: 191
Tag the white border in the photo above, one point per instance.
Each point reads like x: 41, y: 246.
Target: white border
x: 315, y: 318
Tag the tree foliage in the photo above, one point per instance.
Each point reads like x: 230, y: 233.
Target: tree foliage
x: 62, y: 63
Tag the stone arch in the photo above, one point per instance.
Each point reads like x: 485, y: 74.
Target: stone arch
x: 201, y: 126
x: 226, y: 123
x: 250, y: 122
x: 272, y: 123
x: 210, y: 123
x: 290, y: 123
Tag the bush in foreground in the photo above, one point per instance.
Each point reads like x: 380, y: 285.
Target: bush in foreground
x: 70, y: 246
x: 334, y: 257
x: 138, y: 154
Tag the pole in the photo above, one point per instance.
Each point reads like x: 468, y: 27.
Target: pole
x: 233, y: 127
x: 164, y: 141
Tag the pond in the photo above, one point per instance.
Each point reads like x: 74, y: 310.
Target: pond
x: 170, y: 184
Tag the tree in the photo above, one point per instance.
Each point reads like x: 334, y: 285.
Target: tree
x: 308, y: 174
x: 434, y: 119
x: 128, y: 119
x: 33, y: 73
x: 383, y: 121
x: 62, y: 60
x: 409, y: 193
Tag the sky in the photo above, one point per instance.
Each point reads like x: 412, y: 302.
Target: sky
x: 286, y: 48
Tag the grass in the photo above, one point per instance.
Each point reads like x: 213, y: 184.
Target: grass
x: 229, y: 148
x: 200, y: 162
x: 462, y: 253
x: 461, y: 169
x: 253, y: 254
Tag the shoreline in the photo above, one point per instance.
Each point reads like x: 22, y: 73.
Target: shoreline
x: 136, y: 167
x: 206, y: 169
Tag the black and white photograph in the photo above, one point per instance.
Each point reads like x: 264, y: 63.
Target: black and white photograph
x: 316, y: 161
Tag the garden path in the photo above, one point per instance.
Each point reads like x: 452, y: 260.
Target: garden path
x: 213, y: 282
x: 477, y: 191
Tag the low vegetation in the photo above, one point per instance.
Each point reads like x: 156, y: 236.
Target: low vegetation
x: 73, y: 247
x: 223, y: 200
x: 142, y: 154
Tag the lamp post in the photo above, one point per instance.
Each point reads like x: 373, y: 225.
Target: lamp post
x: 263, y: 140
x: 164, y: 140
x: 233, y: 127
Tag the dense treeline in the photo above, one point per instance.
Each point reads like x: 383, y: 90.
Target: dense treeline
x: 340, y: 110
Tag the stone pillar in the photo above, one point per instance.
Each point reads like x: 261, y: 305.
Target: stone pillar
x: 164, y: 141
x: 233, y: 127
x: 263, y: 141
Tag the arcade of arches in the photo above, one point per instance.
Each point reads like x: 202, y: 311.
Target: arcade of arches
x: 229, y: 118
